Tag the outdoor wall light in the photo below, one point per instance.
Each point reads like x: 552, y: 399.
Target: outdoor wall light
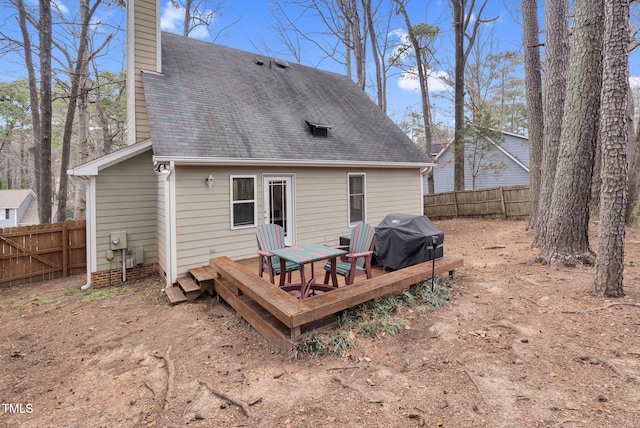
x: 209, y: 181
x: 161, y: 168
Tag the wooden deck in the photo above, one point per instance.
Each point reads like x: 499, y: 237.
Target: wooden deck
x: 281, y: 318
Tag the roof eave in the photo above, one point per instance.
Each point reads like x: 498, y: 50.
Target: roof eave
x: 93, y: 167
x: 288, y: 162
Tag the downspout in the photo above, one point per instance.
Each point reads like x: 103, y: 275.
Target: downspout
x: 86, y: 180
x: 169, y: 209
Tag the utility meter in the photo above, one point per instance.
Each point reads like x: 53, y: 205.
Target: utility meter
x: 118, y: 240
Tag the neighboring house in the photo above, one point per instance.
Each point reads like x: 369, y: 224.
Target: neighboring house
x: 224, y: 141
x: 506, y: 163
x: 18, y: 208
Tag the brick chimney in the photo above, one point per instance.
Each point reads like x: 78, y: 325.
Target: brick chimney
x: 143, y: 54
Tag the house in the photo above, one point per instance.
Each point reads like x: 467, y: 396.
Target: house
x: 503, y: 163
x: 223, y: 141
x: 18, y: 208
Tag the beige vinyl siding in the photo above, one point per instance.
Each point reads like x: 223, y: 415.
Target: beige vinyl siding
x: 394, y: 191
x: 126, y: 201
x: 203, y: 218
x: 321, y: 205
x: 146, y: 58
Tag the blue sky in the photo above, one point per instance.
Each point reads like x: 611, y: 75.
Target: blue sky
x: 249, y: 25
x: 252, y: 29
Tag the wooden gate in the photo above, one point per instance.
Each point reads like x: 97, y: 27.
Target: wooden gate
x: 45, y: 251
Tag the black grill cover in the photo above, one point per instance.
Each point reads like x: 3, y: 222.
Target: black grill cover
x: 404, y: 240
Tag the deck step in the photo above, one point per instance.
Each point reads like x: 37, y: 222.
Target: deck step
x: 175, y: 295
x: 187, y: 284
x: 203, y: 273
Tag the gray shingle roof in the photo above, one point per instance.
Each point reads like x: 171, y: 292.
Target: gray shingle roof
x: 13, y: 198
x: 213, y: 101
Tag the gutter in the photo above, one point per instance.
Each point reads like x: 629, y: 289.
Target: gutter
x: 286, y: 162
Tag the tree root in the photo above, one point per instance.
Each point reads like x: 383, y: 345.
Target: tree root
x: 566, y: 421
x: 526, y: 280
x: 346, y: 385
x: 478, y: 389
x: 614, y: 304
x: 530, y: 300
x: 601, y: 308
x: 240, y: 403
x: 520, y: 330
x: 171, y: 376
x: 609, y: 364
x: 356, y: 389
x: 518, y: 355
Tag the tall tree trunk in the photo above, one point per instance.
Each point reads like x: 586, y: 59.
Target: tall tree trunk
x: 352, y: 22
x: 33, y: 92
x: 366, y: 5
x: 533, y: 83
x: 633, y: 194
x: 46, y: 111
x: 458, y: 115
x: 83, y: 142
x: 187, y: 17
x: 614, y: 138
x: 567, y: 238
x: 462, y: 18
x: 78, y: 75
x: 555, y: 88
x: 424, y: 93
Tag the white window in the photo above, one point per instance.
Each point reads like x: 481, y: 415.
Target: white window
x: 4, y: 216
x: 357, y: 199
x: 243, y: 201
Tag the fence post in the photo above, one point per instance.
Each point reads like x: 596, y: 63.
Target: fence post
x: 455, y: 203
x: 504, y: 206
x: 65, y: 250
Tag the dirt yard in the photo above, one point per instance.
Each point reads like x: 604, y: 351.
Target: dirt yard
x: 520, y: 345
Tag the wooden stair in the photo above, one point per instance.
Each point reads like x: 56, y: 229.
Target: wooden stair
x: 189, y: 288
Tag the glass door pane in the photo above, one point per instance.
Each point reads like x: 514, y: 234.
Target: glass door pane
x: 278, y: 204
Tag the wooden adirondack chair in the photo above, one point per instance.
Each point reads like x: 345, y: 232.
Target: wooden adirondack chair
x: 271, y: 237
x: 358, y: 260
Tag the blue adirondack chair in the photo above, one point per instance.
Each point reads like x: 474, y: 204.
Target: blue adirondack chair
x: 271, y: 237
x: 358, y: 259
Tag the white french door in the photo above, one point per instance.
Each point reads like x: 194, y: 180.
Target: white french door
x: 278, y: 203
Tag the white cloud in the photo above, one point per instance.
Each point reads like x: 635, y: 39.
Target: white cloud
x: 409, y: 79
x: 201, y: 32
x: 402, y: 37
x: 172, y: 20
x: 634, y: 82
x: 437, y: 81
x: 61, y: 7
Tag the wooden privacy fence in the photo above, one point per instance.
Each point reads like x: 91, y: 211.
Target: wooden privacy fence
x: 504, y: 202
x: 41, y: 252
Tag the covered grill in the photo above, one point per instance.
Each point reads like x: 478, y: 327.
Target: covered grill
x: 404, y: 240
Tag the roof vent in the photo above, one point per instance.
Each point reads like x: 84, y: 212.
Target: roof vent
x: 258, y: 61
x: 318, y: 129
x: 281, y: 63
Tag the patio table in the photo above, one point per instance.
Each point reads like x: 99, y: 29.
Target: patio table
x: 304, y: 254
